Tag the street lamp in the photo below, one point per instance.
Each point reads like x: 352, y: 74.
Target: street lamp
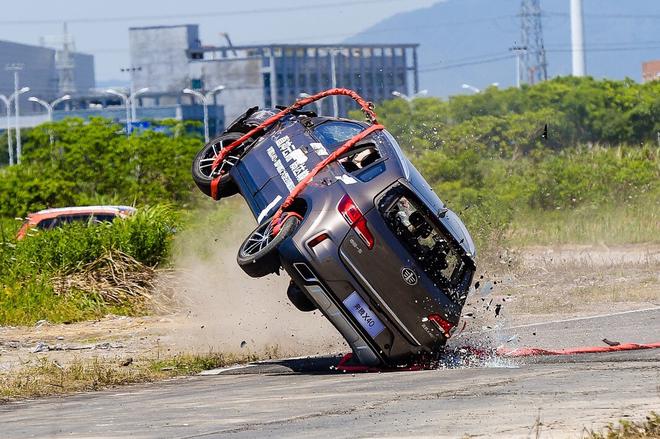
x: 133, y: 97
x: 129, y: 104
x: 471, y: 87
x: 205, y: 98
x: 317, y: 103
x: 409, y: 99
x: 126, y: 100
x: 49, y: 108
x: 7, y: 101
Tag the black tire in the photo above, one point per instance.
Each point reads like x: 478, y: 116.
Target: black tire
x: 299, y: 299
x: 202, y: 166
x: 258, y: 254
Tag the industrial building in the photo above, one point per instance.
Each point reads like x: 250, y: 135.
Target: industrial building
x: 49, y: 73
x: 169, y: 58
x: 651, y: 71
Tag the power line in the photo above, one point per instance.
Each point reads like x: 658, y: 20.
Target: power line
x: 608, y: 16
x: 343, y: 34
x: 282, y: 9
x: 491, y: 58
x: 449, y: 66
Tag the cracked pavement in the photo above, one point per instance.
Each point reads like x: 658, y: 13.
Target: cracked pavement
x: 559, y: 396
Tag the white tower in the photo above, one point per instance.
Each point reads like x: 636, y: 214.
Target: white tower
x: 65, y: 64
x: 577, y: 38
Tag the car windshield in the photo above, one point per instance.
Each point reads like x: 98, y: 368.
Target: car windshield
x: 433, y: 250
x: 336, y: 132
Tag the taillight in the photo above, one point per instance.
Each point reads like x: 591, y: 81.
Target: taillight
x: 442, y: 324
x: 355, y: 219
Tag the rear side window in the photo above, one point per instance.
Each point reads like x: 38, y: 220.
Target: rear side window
x: 435, y: 252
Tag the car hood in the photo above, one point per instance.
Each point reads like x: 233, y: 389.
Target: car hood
x: 456, y: 227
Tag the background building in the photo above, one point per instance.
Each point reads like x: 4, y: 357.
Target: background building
x: 170, y: 58
x: 42, y: 68
x: 651, y: 71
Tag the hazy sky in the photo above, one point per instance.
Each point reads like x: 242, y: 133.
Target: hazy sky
x: 101, y: 27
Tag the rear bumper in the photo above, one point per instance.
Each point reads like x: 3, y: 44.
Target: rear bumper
x: 324, y: 274
x: 361, y: 348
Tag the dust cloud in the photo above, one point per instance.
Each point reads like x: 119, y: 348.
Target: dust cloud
x: 224, y: 310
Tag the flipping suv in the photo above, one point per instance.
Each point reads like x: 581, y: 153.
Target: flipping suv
x: 362, y: 235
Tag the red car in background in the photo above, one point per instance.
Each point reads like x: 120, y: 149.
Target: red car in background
x: 49, y: 219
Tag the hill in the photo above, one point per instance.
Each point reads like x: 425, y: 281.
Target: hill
x: 468, y: 41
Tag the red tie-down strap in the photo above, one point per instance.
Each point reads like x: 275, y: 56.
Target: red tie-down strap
x: 366, y: 107
x: 329, y: 159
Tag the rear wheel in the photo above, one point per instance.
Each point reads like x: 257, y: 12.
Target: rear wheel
x: 299, y: 299
x: 202, y: 167
x: 258, y: 254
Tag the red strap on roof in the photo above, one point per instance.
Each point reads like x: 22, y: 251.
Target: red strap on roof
x: 329, y: 159
x: 365, y: 106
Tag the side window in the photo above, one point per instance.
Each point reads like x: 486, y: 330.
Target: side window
x: 360, y: 158
x: 84, y: 218
x: 47, y: 224
x: 104, y: 217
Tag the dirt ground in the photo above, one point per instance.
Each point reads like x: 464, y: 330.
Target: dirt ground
x: 536, y: 285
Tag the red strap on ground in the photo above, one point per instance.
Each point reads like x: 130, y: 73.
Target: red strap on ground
x: 530, y: 352
x: 358, y: 368
x: 502, y: 352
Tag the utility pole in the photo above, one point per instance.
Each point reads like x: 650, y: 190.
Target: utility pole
x: 535, y: 65
x: 7, y: 101
x: 519, y: 51
x: 333, y: 75
x: 205, y: 99
x: 577, y: 38
x: 17, y: 67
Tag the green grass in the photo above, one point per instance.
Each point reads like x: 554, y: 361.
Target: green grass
x: 633, y: 223
x: 29, y: 267
x: 650, y: 428
x: 45, y: 376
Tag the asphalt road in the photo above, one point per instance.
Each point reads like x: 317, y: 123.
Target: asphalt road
x: 559, y: 396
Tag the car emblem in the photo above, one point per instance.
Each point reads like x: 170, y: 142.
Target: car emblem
x: 409, y: 276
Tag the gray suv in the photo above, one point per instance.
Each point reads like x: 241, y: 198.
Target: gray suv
x: 366, y: 242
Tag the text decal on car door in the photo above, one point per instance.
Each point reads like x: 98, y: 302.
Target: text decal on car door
x: 363, y: 314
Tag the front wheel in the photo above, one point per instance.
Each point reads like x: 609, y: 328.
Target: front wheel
x: 258, y: 254
x: 202, y: 167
